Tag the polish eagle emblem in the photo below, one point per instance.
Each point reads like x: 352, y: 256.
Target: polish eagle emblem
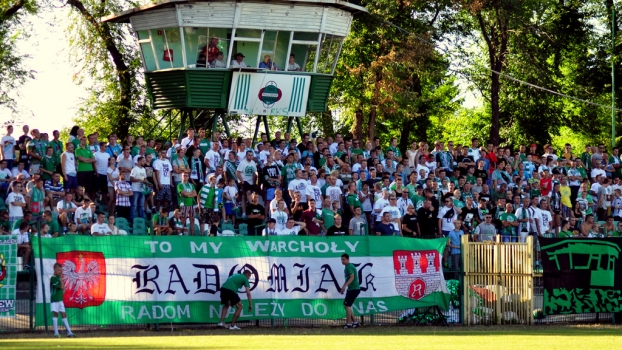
x: 80, y: 279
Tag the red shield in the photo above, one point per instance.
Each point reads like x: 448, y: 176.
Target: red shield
x: 84, y: 278
x: 417, y: 272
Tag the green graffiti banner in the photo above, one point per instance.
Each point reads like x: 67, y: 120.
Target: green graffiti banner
x: 581, y: 275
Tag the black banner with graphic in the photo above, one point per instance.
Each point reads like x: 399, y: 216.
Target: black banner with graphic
x: 582, y: 275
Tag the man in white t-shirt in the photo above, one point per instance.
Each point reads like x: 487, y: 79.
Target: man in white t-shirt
x: 535, y: 216
x: 16, y: 202
x: 83, y: 217
x: 5, y: 176
x: 380, y: 204
x: 162, y: 178
x: 333, y: 192
x: 292, y: 228
x: 101, y: 165
x: 546, y: 217
x: 247, y: 175
x: 100, y: 228
x: 187, y: 141
x: 313, y: 190
x: 212, y: 158
x: 598, y: 170
x: 138, y: 176
x: 7, y: 147
x: 447, y: 214
x: 300, y: 185
x: 394, y: 211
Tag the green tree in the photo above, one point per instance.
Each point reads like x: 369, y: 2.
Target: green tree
x: 111, y: 59
x: 13, y: 72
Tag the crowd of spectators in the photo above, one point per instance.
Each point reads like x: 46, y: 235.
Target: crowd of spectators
x: 326, y: 186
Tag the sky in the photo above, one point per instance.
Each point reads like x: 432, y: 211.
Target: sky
x: 50, y: 100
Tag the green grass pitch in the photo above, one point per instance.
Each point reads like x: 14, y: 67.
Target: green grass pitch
x: 386, y: 338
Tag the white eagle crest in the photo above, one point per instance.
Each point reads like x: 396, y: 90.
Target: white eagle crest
x: 81, y: 279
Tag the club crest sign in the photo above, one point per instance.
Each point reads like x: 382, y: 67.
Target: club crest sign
x: 270, y: 94
x: 417, y: 272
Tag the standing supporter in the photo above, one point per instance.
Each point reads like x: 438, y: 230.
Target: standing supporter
x: 230, y: 196
x: 197, y: 171
x: 246, y: 173
x: 58, y: 147
x: 7, y: 147
x: 124, y: 193
x: 186, y: 194
x: 36, y: 150
x: 48, y: 164
x: 162, y: 180
x: 446, y: 216
x: 312, y: 218
x: 16, y: 203
x: 113, y: 149
x: 207, y: 202
x: 86, y: 167
x: 138, y: 178
x: 36, y: 198
x: 101, y: 167
x: 256, y: 214
x: 68, y: 165
x: 385, y: 227
x: 112, y: 173
x: 6, y: 177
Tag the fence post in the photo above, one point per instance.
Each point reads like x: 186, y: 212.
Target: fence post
x: 32, y: 304
x: 45, y: 309
x: 498, y: 277
x: 464, y: 299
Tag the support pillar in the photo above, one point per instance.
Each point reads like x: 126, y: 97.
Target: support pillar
x: 184, y: 115
x: 265, y: 123
x: 290, y: 120
x: 256, y: 130
x: 299, y: 126
x: 225, y: 124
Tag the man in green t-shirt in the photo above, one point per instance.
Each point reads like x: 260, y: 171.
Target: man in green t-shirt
x: 27, y: 218
x: 48, y: 164
x: 353, y: 287
x: 186, y: 195
x: 54, y: 226
x: 396, y: 151
x: 57, y: 290
x: 229, y: 297
x: 509, y: 223
x: 160, y: 223
x: 204, y: 143
x: 86, y: 162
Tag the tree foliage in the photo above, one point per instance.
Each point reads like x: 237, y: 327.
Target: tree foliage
x: 13, y: 72
x: 109, y: 55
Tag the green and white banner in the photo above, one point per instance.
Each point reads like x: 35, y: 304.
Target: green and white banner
x: 150, y: 279
x: 8, y: 275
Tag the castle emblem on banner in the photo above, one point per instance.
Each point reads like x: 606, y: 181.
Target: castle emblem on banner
x: 418, y: 273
